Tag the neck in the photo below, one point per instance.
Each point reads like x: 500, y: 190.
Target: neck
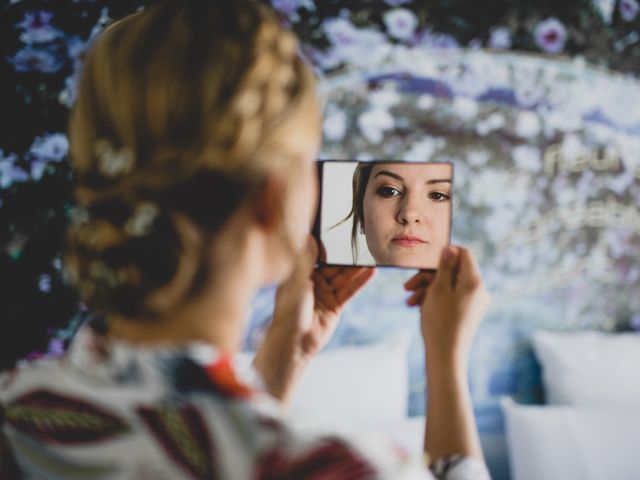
x: 217, y: 316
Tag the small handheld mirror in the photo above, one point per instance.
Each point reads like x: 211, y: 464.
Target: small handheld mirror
x: 384, y: 213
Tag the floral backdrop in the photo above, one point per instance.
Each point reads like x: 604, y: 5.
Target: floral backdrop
x: 532, y: 101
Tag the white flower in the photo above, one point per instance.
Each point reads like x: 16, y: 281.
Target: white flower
x: 528, y: 158
x: 527, y: 125
x: 373, y: 123
x: 141, y: 222
x: 550, y: 35
x: 335, y: 125
x: 52, y: 147
x: 340, y: 31
x: 351, y: 45
x: 464, y: 108
x: 113, y: 163
x: 401, y: 23
x: 500, y: 38
x: 572, y: 147
x: 422, y: 151
x: 384, y: 98
x: 425, y: 101
x: 605, y: 7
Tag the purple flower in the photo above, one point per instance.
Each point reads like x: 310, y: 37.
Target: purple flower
x: 401, y: 23
x: 550, y: 35
x: 9, y: 172
x: 36, y: 60
x: 396, y: 3
x: 52, y: 147
x: 629, y: 9
x: 436, y: 41
x: 37, y: 27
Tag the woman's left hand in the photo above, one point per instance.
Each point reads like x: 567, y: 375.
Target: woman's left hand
x: 307, y: 311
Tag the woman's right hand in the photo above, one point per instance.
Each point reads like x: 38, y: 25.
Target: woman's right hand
x: 453, y: 301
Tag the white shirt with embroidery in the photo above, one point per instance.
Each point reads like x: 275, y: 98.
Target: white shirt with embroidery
x: 111, y: 410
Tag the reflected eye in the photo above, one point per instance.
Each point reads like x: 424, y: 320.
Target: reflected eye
x: 439, y: 197
x: 388, y: 192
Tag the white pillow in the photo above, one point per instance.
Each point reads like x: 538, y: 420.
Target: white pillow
x: 366, y: 385
x: 590, y: 368
x: 572, y: 443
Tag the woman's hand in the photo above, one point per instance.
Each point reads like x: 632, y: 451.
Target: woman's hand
x: 453, y: 301
x: 307, y: 311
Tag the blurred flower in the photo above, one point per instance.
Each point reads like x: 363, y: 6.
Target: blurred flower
x: 395, y: 3
x: 36, y: 60
x: 335, y: 125
x: 464, y: 108
x: 289, y: 8
x: 340, y: 31
x: 629, y: 9
x: 436, y: 41
x: 527, y: 124
x: 9, y: 172
x: 528, y: 158
x: 635, y: 322
x: 52, y: 147
x: 373, y: 123
x: 550, y: 35
x: 401, y: 23
x: 44, y: 283
x: 423, y: 150
x: 37, y: 28
x: 500, y: 38
x: 605, y: 7
x: 141, y: 223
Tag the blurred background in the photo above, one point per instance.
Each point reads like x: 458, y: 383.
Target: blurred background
x: 537, y: 104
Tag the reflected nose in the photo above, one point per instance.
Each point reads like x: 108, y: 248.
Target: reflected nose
x: 409, y: 211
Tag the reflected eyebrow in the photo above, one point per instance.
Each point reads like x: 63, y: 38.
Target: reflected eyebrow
x: 389, y: 174
x: 398, y: 177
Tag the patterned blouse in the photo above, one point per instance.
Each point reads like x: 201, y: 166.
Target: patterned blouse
x: 111, y: 410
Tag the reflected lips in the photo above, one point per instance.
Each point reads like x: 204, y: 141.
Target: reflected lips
x: 407, y: 240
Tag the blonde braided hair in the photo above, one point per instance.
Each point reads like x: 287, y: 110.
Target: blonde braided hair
x: 183, y: 109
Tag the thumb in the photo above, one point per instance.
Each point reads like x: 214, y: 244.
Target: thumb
x: 447, y: 268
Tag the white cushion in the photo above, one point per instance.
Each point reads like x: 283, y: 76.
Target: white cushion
x: 357, y: 384
x: 572, y: 443
x: 590, y: 368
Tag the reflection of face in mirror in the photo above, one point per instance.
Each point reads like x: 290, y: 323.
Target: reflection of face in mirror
x: 404, y: 210
x: 384, y: 213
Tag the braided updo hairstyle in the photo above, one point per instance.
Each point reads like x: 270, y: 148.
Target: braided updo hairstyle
x: 182, y: 111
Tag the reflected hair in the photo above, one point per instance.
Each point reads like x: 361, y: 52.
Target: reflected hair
x: 358, y: 187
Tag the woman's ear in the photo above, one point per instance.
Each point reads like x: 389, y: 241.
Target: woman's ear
x: 268, y: 203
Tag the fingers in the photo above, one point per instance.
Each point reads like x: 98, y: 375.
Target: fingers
x: 348, y: 290
x: 339, y: 288
x: 417, y: 298
x: 345, y: 276
x: 420, y: 280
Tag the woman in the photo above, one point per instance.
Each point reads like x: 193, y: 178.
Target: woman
x: 193, y: 141
x: 404, y: 211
